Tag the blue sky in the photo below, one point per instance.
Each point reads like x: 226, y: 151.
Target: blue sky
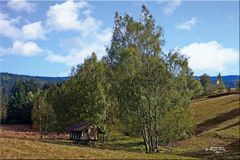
x: 47, y: 38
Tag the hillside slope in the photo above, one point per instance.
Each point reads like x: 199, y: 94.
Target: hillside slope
x: 218, y: 122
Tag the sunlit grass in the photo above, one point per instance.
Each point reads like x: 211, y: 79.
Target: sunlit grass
x: 15, y: 149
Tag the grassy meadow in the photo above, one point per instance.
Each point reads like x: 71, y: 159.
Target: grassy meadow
x: 217, y: 121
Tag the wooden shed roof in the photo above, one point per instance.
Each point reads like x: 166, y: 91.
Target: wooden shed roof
x: 81, y: 126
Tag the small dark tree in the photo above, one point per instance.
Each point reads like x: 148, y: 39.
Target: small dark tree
x: 206, y: 83
x: 3, y: 106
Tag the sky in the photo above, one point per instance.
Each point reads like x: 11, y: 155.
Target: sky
x: 48, y: 38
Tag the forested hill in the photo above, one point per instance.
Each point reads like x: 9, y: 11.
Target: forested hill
x: 7, y: 80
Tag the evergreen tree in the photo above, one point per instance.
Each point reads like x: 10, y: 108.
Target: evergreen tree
x: 18, y: 110
x: 19, y: 107
x: 3, y: 106
x: 220, y: 84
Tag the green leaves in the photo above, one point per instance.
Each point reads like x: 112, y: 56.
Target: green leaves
x: 42, y: 114
x: 206, y: 83
x: 151, y: 87
x: 83, y: 97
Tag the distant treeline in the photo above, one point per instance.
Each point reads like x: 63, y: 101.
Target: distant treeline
x: 7, y: 80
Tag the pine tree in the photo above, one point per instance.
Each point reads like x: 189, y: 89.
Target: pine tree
x: 220, y: 84
x: 3, y: 106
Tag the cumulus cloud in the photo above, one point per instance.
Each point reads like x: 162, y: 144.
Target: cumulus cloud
x: 210, y: 57
x: 188, y: 25
x: 21, y: 48
x: 79, y: 48
x: 75, y: 57
x: 72, y: 15
x: 22, y: 5
x: 8, y: 26
x: 25, y: 48
x: 170, y: 6
x: 31, y: 31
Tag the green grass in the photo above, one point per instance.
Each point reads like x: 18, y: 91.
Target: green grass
x: 219, y: 115
x: 26, y: 149
x: 217, y: 121
x: 123, y: 142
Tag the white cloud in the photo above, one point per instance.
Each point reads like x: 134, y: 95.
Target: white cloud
x: 25, y: 48
x: 21, y: 48
x: 71, y: 15
x: 170, y: 6
x: 79, y: 48
x: 22, y: 5
x: 188, y: 25
x: 8, y: 27
x: 210, y: 57
x: 33, y: 31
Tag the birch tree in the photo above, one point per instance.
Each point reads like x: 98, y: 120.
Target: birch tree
x: 149, y: 84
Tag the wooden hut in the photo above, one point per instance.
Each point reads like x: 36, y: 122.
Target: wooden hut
x: 84, y: 132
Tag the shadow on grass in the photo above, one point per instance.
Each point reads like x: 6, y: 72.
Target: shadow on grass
x: 229, y: 126
x: 211, y: 123
x: 223, y: 94
x: 234, y: 146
